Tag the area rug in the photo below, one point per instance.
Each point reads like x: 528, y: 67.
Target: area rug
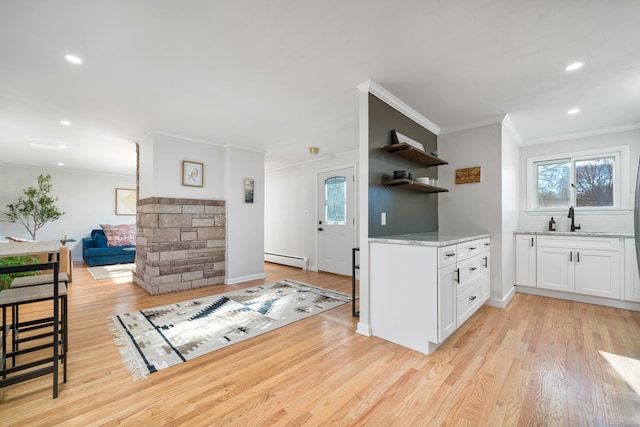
x: 157, y: 338
x: 112, y: 271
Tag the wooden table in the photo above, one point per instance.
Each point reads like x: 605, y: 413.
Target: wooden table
x: 10, y: 375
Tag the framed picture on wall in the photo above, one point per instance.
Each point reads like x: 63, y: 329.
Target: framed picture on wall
x: 126, y: 200
x: 248, y: 190
x: 192, y: 173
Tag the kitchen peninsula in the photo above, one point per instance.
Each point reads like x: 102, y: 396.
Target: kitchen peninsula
x: 424, y: 286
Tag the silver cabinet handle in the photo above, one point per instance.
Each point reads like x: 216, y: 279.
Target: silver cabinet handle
x: 473, y: 268
x: 472, y: 248
x: 457, y: 278
x: 487, y: 244
x: 472, y: 297
x: 577, y: 256
x: 571, y: 256
x: 486, y: 262
x: 450, y: 254
x: 532, y: 242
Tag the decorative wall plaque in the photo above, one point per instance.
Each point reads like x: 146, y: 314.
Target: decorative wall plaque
x: 468, y: 175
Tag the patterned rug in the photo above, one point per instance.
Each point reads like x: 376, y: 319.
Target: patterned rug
x: 112, y: 271
x: 154, y: 339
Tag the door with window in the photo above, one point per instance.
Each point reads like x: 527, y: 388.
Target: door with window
x: 336, y: 220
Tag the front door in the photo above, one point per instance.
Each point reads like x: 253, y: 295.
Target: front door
x: 336, y: 220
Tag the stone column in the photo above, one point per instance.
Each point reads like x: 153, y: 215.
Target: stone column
x: 180, y: 244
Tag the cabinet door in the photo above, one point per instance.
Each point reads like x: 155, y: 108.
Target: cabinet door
x: 555, y: 268
x: 525, y: 260
x: 597, y: 273
x: 486, y: 273
x: 446, y: 302
x: 631, y: 276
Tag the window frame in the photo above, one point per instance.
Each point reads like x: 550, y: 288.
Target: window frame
x: 621, y: 190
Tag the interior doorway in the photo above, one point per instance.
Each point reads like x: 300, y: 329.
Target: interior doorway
x: 336, y: 219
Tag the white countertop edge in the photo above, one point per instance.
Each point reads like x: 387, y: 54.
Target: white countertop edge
x: 434, y: 239
x: 578, y: 233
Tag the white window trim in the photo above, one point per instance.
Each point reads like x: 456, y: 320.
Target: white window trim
x: 621, y: 185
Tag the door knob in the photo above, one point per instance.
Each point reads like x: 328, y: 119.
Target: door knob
x: 320, y: 228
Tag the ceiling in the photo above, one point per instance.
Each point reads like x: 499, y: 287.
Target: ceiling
x: 281, y: 76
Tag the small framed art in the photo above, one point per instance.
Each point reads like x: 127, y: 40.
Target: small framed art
x: 248, y: 190
x: 126, y: 200
x: 192, y: 173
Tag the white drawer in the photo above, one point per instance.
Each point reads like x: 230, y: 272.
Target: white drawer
x: 468, y: 249
x: 447, y: 255
x: 583, y: 242
x: 485, y: 245
x: 468, y: 302
x: 469, y: 270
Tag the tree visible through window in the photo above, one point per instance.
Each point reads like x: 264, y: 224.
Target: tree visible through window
x: 581, y: 182
x: 335, y: 200
x: 594, y: 182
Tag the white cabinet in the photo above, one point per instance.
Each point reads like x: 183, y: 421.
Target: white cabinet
x: 446, y: 301
x: 584, y: 265
x: 555, y: 269
x: 631, y: 276
x: 525, y: 260
x: 421, y: 294
x: 467, y: 266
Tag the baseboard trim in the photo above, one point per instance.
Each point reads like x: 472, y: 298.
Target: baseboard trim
x: 363, y: 329
x: 242, y: 279
x: 504, y: 302
x: 626, y: 305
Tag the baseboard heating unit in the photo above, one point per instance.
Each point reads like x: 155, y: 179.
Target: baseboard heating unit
x: 290, y: 260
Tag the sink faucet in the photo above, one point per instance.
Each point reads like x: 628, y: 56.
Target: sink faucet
x: 572, y: 215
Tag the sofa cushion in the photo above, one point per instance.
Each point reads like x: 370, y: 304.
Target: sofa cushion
x: 120, y: 235
x: 100, y: 241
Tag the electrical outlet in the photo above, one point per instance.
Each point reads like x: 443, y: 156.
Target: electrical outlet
x: 383, y: 218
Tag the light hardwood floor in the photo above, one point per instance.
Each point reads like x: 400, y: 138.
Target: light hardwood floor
x: 540, y: 361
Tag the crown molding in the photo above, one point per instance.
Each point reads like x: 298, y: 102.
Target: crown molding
x: 499, y: 118
x: 586, y: 134
x: 374, y: 88
x: 201, y: 141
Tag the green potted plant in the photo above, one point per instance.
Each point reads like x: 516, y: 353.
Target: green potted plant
x: 35, y: 208
x: 5, y: 279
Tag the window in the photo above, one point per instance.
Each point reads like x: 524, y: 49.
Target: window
x: 335, y: 201
x: 584, y: 180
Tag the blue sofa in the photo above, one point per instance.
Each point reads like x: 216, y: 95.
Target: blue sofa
x: 96, y: 252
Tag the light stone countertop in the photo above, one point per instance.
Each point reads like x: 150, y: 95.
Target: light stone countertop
x: 578, y: 233
x: 433, y: 238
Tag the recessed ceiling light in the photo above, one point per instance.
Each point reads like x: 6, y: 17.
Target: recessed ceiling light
x: 65, y: 122
x: 573, y: 111
x: 60, y: 164
x: 74, y: 59
x: 62, y: 146
x: 574, y: 66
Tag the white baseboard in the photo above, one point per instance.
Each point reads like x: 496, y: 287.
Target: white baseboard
x: 504, y: 302
x: 363, y: 329
x: 627, y: 305
x: 242, y: 279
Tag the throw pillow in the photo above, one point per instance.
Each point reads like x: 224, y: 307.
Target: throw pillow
x: 100, y: 240
x: 120, y: 235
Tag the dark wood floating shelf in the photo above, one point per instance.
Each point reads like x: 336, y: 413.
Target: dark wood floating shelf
x: 414, y: 185
x: 410, y: 152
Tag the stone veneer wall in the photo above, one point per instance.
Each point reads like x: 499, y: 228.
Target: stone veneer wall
x: 180, y: 244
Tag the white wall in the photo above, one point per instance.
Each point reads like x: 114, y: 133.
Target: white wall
x: 225, y: 168
x: 510, y: 211
x: 291, y: 204
x: 619, y: 221
x: 161, y: 157
x: 88, y: 200
x: 245, y: 221
x: 475, y: 207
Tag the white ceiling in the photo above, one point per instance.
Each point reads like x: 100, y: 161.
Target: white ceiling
x: 280, y: 76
